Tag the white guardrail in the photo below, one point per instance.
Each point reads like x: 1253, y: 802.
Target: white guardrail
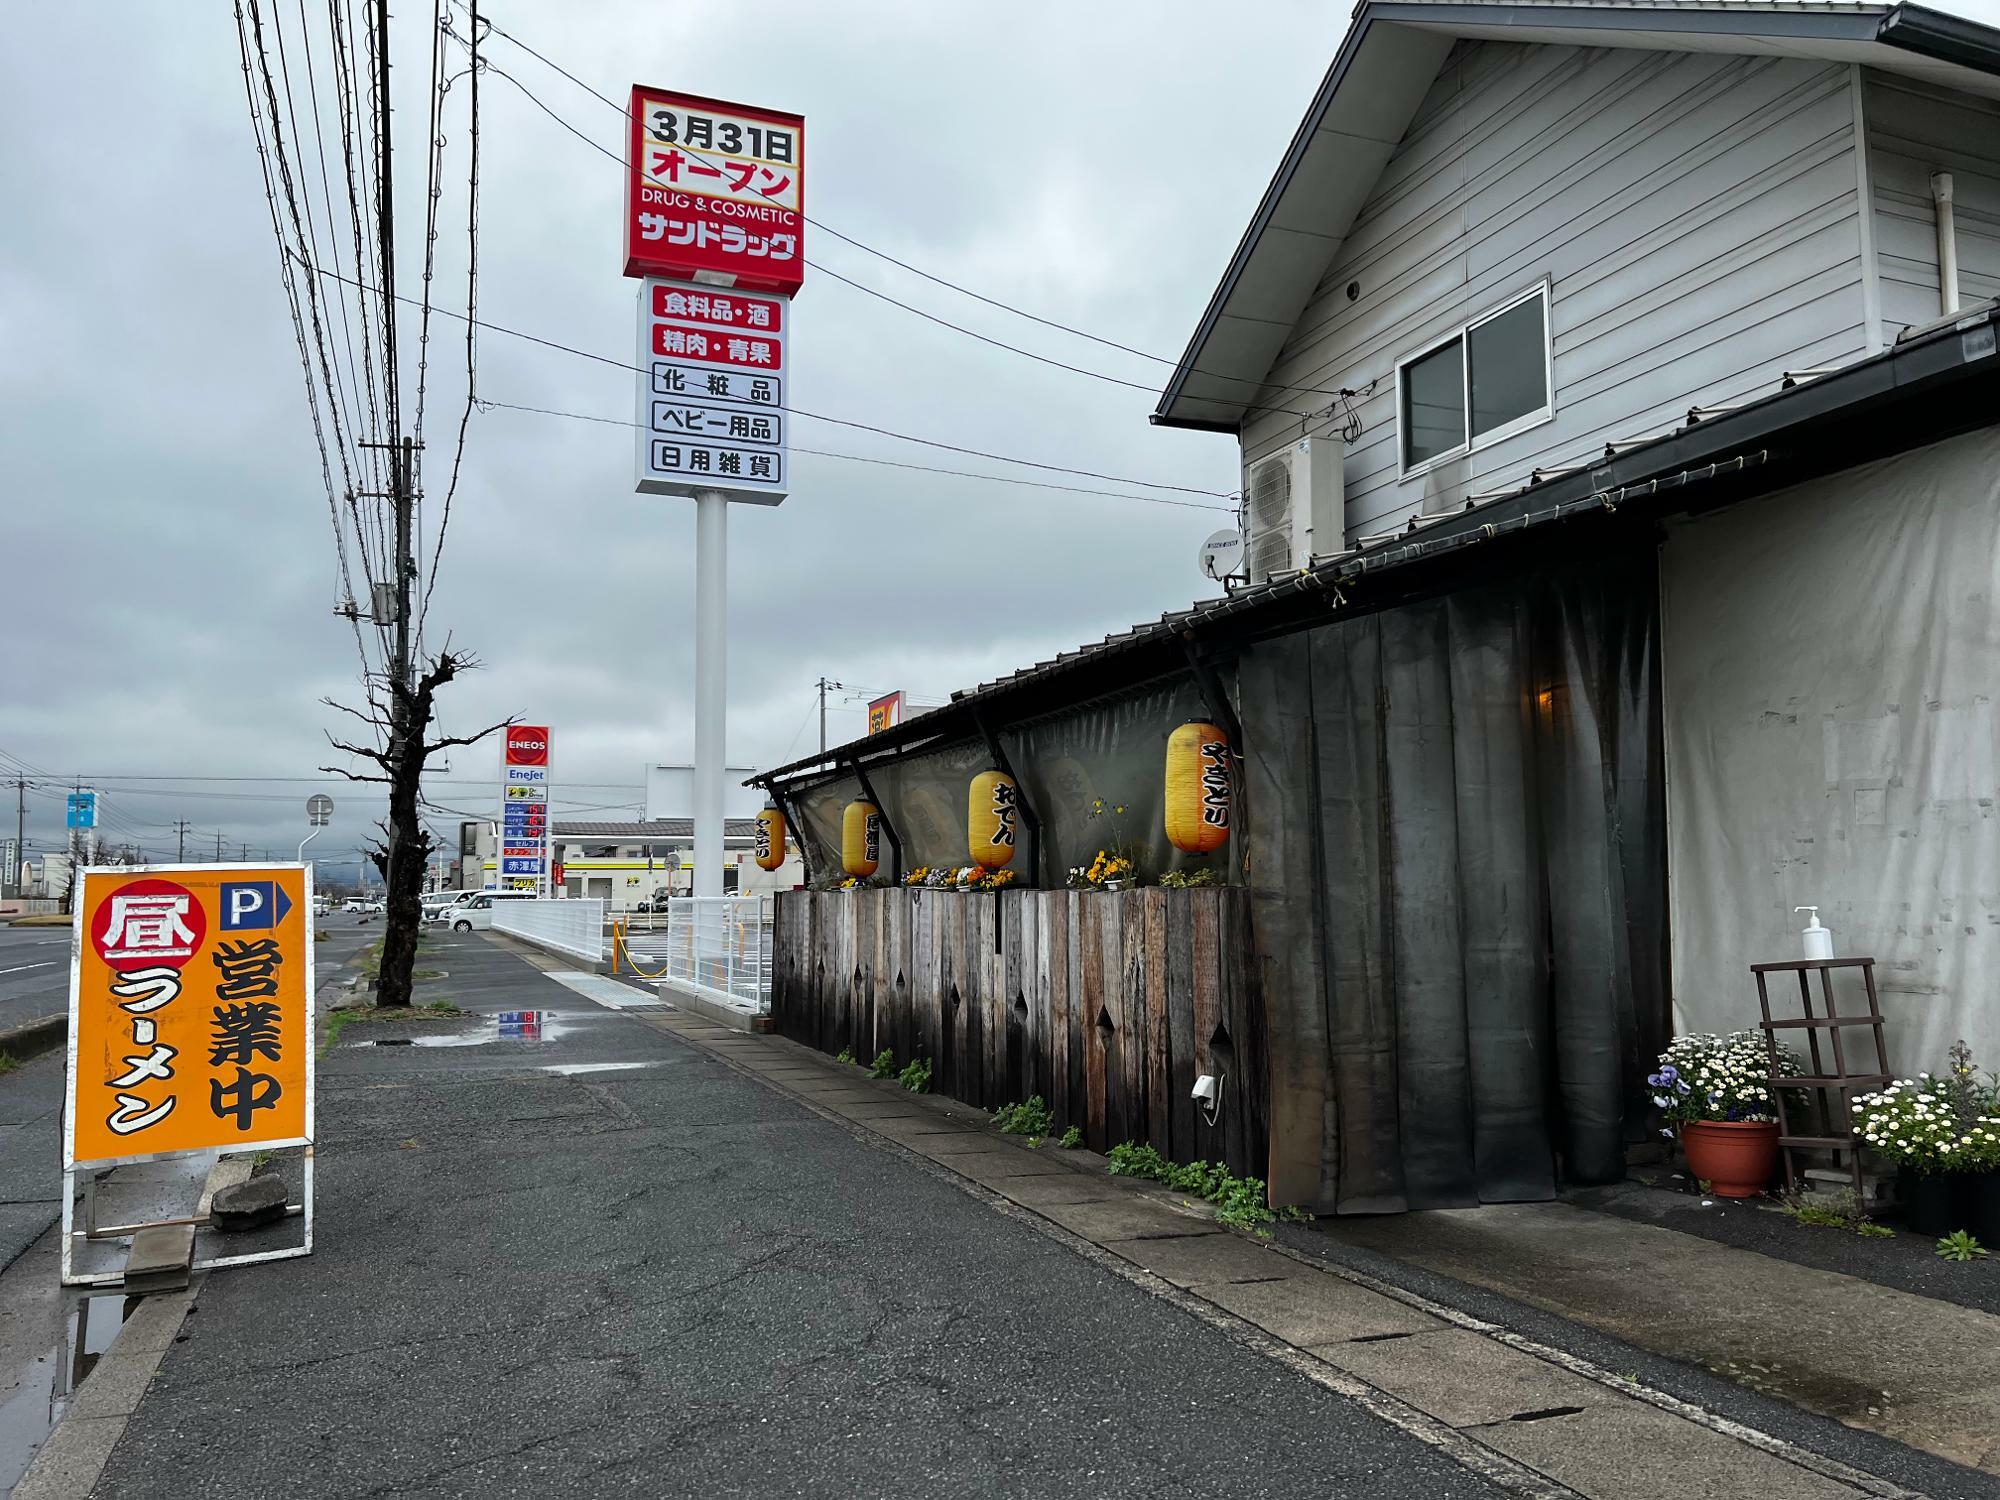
x: 720, y: 945
x: 574, y: 925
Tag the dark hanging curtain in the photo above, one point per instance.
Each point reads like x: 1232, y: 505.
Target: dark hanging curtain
x: 1485, y: 879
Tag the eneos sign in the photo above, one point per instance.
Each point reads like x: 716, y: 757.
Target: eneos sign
x: 716, y: 193
x: 527, y: 745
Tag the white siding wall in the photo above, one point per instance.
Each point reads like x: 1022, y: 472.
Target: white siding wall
x: 1695, y: 216
x: 1915, y: 129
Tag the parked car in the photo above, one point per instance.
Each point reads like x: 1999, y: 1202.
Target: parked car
x: 476, y: 914
x: 354, y: 903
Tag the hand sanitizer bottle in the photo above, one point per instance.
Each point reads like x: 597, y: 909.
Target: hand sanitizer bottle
x: 1818, y: 939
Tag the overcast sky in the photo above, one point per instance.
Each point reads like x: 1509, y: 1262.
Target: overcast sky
x: 169, y: 566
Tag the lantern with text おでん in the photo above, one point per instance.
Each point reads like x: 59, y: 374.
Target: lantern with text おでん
x: 770, y: 839
x: 1201, y: 782
x: 861, y: 839
x: 992, y: 819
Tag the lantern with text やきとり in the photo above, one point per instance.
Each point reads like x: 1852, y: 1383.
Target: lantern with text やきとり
x: 861, y: 838
x: 770, y: 839
x: 992, y: 819
x: 1201, y: 783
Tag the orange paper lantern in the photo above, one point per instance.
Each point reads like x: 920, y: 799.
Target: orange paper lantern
x: 1201, y: 785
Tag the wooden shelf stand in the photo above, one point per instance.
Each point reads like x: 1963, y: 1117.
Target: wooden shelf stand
x: 1838, y: 1081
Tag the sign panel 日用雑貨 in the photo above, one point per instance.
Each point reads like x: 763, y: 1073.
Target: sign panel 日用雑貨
x: 715, y: 193
x: 190, y: 1012
x: 711, y: 392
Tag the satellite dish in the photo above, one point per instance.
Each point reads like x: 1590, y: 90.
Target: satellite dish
x: 1221, y: 555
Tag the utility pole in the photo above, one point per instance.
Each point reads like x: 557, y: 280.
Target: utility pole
x: 20, y: 832
x: 218, y: 847
x: 823, y: 686
x: 180, y: 842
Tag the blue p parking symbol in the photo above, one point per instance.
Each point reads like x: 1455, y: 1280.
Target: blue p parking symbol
x: 253, y: 904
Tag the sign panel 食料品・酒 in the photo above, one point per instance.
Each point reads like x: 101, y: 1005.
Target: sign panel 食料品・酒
x: 715, y: 193
x: 711, y: 392
x: 524, y: 807
x: 190, y: 1013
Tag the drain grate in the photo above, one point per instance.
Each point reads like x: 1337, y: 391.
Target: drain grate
x: 1545, y: 1413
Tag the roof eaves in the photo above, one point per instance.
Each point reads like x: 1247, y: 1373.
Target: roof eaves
x: 1288, y: 166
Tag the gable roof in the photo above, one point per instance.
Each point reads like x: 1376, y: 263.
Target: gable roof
x: 1387, y: 64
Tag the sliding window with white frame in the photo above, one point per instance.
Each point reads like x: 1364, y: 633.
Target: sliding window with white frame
x: 1485, y: 380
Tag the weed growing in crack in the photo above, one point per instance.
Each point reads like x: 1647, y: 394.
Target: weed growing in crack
x: 916, y: 1077
x: 884, y: 1065
x: 1030, y: 1118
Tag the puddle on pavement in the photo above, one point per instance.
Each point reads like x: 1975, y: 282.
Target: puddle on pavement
x: 504, y: 1026
x: 91, y: 1321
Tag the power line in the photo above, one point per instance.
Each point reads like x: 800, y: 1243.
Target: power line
x: 1039, y: 484
x: 605, y: 359
x: 846, y: 239
x: 603, y: 150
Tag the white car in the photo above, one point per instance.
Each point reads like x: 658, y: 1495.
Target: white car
x: 476, y: 914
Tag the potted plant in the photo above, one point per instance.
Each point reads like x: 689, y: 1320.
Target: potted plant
x: 1943, y: 1134
x: 1714, y: 1092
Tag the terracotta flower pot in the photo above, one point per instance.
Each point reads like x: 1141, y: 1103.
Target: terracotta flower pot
x: 1734, y: 1157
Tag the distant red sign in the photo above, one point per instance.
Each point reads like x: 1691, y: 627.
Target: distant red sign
x: 527, y: 745
x: 716, y: 192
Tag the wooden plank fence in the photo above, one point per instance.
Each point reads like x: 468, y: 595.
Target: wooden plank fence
x: 1107, y: 1004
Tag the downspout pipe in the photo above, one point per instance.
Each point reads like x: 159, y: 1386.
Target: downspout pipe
x: 1947, y: 236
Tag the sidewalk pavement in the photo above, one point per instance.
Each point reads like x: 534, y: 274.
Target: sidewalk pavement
x: 1918, y: 1369
x: 648, y: 1254
x: 30, y: 1152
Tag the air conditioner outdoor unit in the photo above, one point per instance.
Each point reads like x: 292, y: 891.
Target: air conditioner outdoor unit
x: 1294, y: 505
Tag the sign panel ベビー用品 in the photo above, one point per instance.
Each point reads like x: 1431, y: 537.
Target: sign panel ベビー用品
x: 711, y: 392
x: 190, y: 1012
x: 715, y: 193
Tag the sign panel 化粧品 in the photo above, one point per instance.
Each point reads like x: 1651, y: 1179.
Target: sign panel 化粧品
x: 711, y: 392
x: 716, y: 192
x: 190, y: 1012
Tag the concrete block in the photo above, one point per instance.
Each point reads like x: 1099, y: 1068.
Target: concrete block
x: 1462, y: 1377
x: 71, y: 1459
x: 1036, y: 1192
x: 160, y: 1257
x: 1315, y: 1308
x: 1127, y: 1217
x: 154, y: 1322
x: 114, y: 1387
x: 1629, y: 1451
x: 1191, y: 1260
x: 989, y: 1167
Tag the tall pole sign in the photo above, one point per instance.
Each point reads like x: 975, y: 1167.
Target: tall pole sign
x: 715, y: 230
x: 525, y: 763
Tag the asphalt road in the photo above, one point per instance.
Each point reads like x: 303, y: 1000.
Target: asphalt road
x: 603, y: 1263
x: 34, y: 973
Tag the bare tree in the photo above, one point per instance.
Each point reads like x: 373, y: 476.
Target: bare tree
x: 401, y: 724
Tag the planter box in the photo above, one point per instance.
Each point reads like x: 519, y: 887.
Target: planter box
x: 1107, y: 1004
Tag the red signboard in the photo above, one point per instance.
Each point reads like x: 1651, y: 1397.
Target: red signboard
x: 721, y: 309
x: 527, y: 745
x: 715, y: 347
x: 716, y: 192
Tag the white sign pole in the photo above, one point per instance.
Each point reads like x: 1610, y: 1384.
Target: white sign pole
x: 711, y: 599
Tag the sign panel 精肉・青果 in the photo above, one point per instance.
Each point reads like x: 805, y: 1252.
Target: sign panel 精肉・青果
x: 711, y: 392
x: 190, y: 1012
x: 715, y: 192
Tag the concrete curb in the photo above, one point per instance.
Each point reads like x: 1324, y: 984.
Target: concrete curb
x: 1319, y: 1319
x: 32, y: 1038
x: 691, y: 999
x: 75, y: 1453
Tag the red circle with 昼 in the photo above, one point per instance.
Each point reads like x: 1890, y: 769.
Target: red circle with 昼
x: 148, y: 924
